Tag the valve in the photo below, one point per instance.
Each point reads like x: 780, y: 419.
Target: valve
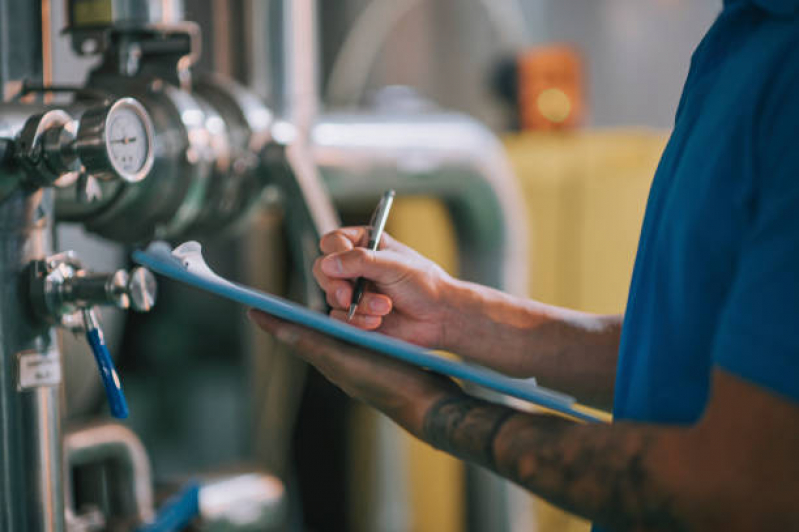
x: 65, y: 294
x: 108, y: 372
x: 109, y: 142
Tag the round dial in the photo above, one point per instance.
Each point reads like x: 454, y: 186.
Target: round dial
x: 127, y: 139
x: 116, y: 142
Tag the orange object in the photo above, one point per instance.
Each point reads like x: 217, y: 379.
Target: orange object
x: 551, y: 88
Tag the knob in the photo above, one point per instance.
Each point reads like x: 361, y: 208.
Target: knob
x: 43, y: 148
x: 63, y: 293
x: 116, y: 141
x: 142, y: 289
x: 136, y: 290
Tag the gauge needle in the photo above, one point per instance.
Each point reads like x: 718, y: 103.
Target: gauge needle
x: 126, y: 140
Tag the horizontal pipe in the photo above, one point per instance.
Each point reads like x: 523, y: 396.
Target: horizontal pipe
x: 449, y: 156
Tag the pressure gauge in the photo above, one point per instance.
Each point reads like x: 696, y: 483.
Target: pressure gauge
x: 116, y: 141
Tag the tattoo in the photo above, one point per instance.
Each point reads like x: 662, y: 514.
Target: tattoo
x: 602, y: 473
x: 465, y: 427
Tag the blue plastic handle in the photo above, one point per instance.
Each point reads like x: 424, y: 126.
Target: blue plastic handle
x: 108, y: 373
x: 177, y: 512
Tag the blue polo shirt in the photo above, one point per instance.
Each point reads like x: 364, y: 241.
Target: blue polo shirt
x: 716, y: 279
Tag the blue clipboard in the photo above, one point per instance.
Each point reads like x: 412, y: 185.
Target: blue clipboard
x: 186, y: 264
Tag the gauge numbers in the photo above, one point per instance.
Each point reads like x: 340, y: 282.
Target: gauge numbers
x: 128, y: 140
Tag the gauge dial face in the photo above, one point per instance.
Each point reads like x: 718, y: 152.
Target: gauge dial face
x: 128, y: 140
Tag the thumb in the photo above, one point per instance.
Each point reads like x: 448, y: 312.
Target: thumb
x: 384, y: 267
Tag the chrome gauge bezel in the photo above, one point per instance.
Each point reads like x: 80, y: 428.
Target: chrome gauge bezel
x: 147, y: 124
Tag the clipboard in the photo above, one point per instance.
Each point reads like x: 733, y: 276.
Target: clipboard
x: 186, y: 264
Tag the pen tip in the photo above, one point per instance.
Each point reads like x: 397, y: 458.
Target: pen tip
x: 351, y: 312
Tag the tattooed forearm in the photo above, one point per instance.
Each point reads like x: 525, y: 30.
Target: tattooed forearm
x: 601, y: 473
x: 466, y: 427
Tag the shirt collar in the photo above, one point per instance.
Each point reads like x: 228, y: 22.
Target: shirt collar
x: 775, y: 7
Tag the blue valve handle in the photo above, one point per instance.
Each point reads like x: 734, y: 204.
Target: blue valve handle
x: 108, y: 373
x: 177, y: 512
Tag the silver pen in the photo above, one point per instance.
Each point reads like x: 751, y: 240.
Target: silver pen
x: 376, y: 227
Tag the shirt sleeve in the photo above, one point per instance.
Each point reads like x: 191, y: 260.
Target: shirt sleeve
x: 758, y: 333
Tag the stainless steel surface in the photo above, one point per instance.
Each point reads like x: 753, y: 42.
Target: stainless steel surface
x: 59, y: 287
x: 293, y: 85
x: 205, y: 176
x: 38, y: 157
x: 102, y: 134
x: 56, y: 145
x: 169, y: 198
x: 298, y: 78
x: 142, y: 289
x: 54, y: 149
x: 30, y: 429
x: 119, y: 448
x: 99, y: 288
x: 13, y: 118
x: 30, y: 456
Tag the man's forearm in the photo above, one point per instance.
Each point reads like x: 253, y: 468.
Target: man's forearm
x: 613, y: 475
x: 564, y: 349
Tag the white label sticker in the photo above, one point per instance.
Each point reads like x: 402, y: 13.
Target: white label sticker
x: 39, y: 369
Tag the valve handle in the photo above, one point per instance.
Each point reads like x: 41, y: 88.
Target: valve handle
x: 108, y: 373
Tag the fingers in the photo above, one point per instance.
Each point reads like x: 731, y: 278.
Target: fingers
x: 362, y: 321
x: 371, y: 304
x: 295, y: 335
x: 338, y: 293
x: 337, y: 241
x: 329, y: 285
x: 313, y: 344
x: 384, y: 267
x: 282, y: 330
x: 346, y: 238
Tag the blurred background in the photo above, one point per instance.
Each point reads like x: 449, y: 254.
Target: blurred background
x: 521, y: 136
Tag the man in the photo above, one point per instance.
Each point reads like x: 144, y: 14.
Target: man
x: 705, y: 363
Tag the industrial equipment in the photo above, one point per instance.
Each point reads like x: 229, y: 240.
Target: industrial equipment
x: 149, y: 146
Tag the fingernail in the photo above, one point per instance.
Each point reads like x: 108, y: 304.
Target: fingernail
x: 341, y: 295
x: 332, y: 266
x: 378, y: 305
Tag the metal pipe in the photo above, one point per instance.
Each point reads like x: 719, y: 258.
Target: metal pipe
x: 30, y: 428
x: 299, y: 105
x: 290, y: 83
x: 445, y: 155
x: 115, y: 443
x: 300, y: 86
x: 284, y: 31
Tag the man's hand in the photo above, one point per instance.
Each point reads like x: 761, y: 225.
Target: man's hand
x: 407, y: 300
x: 736, y: 469
x: 413, y: 299
x: 400, y: 390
